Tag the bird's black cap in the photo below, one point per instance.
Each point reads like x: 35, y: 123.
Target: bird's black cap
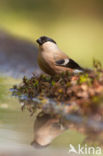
x: 44, y: 39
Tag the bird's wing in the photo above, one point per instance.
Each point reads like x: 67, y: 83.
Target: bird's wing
x: 68, y: 63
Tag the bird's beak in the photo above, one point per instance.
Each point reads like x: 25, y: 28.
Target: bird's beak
x: 39, y: 41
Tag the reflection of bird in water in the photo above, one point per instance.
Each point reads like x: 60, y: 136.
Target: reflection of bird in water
x: 46, y: 128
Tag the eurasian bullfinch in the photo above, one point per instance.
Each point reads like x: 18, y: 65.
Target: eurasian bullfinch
x: 52, y: 60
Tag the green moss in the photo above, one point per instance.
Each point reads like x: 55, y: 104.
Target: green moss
x: 83, y: 78
x: 53, y: 83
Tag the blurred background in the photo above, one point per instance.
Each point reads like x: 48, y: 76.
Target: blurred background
x: 77, y: 27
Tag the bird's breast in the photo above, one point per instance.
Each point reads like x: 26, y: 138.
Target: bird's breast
x: 45, y: 62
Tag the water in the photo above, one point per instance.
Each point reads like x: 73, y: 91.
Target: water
x: 17, y: 127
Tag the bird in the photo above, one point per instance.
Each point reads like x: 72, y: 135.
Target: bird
x: 46, y: 129
x: 52, y: 60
